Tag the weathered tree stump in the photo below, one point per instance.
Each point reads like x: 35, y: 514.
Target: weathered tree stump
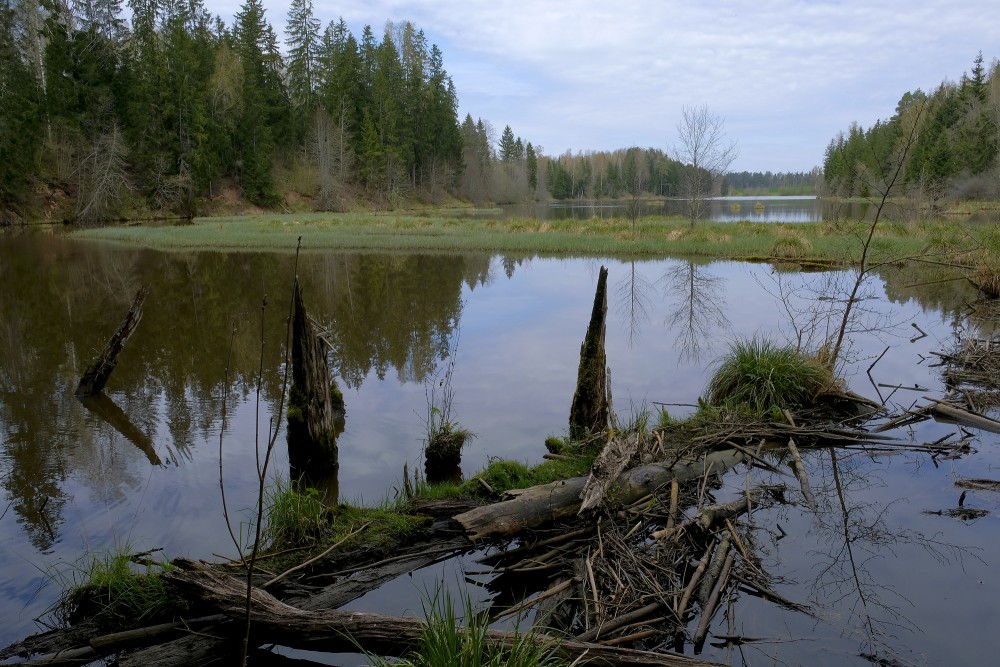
x: 314, y: 405
x: 589, y: 411
x: 97, y: 374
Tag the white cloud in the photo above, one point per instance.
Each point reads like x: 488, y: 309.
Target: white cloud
x: 786, y: 74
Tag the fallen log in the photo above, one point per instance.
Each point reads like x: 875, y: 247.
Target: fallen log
x: 538, y: 505
x: 334, y: 630
x: 97, y: 374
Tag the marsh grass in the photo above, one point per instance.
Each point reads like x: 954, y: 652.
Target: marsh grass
x: 450, y: 641
x: 760, y: 377
x: 293, y: 515
x: 116, y: 592
x: 658, y: 236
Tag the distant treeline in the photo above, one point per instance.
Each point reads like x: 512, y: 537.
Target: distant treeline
x: 950, y: 152
x: 770, y: 183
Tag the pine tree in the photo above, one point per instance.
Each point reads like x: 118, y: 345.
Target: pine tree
x: 303, y: 51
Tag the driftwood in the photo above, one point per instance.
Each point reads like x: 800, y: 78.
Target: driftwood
x: 334, y: 630
x: 948, y: 412
x: 97, y: 374
x: 538, y: 505
x: 589, y: 412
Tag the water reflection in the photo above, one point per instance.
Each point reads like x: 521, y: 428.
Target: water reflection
x: 77, y: 480
x: 717, y: 209
x: 698, y: 312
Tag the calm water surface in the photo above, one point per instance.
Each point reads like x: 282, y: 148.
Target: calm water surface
x: 144, y: 470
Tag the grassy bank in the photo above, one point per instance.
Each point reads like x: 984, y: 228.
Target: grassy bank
x: 653, y: 236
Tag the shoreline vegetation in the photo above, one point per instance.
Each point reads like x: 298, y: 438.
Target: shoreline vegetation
x: 835, y: 242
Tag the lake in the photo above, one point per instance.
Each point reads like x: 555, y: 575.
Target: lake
x: 884, y: 577
x: 717, y: 209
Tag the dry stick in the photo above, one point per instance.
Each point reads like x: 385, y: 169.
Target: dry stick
x: 744, y: 552
x: 800, y: 472
x: 713, y: 600
x: 555, y: 539
x: 527, y: 604
x: 315, y: 558
x: 593, y: 586
x: 674, y: 496
x: 714, y: 570
x: 619, y: 621
x: 689, y: 589
x: 630, y: 638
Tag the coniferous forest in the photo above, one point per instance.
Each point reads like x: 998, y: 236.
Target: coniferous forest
x: 951, y: 136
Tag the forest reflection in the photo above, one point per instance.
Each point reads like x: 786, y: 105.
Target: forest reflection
x: 61, y: 302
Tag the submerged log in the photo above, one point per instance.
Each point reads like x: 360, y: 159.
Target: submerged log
x: 589, y: 411
x: 314, y: 403
x: 538, y: 505
x: 97, y: 374
x: 334, y: 630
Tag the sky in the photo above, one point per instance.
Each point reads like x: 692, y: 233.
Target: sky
x: 587, y: 75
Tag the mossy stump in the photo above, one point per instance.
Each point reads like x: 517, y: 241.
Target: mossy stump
x: 315, y: 405
x: 588, y: 414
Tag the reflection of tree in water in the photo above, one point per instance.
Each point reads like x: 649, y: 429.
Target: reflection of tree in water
x: 855, y: 538
x: 61, y: 300
x: 698, y: 306
x: 634, y: 301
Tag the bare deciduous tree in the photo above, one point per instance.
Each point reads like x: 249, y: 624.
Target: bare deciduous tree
x: 706, y: 154
x: 330, y: 153
x: 102, y: 176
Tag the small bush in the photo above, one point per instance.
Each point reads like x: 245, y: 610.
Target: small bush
x: 758, y: 377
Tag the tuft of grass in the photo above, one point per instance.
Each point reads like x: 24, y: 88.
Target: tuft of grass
x: 446, y: 642
x: 118, y: 592
x: 760, y: 377
x: 293, y: 516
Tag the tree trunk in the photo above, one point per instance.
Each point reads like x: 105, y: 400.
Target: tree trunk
x: 313, y: 405
x: 97, y: 374
x: 538, y: 505
x: 589, y: 411
x: 333, y: 630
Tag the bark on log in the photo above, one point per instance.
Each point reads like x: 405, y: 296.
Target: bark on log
x: 97, y: 374
x: 273, y: 621
x: 589, y: 411
x: 948, y: 412
x: 312, y: 412
x: 609, y: 464
x: 538, y: 505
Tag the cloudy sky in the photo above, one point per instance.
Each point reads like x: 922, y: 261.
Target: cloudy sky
x: 786, y: 75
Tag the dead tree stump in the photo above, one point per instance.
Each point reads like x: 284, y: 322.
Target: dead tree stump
x: 315, y: 405
x: 589, y: 411
x: 97, y: 374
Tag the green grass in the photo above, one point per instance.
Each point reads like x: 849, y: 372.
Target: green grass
x: 116, y: 592
x: 654, y: 236
x: 293, y: 516
x: 760, y: 378
x: 448, y: 641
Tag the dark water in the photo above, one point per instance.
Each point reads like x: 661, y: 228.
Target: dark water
x: 717, y: 209
x: 884, y: 577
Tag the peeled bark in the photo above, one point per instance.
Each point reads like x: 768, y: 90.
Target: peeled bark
x: 589, y: 411
x: 538, y: 505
